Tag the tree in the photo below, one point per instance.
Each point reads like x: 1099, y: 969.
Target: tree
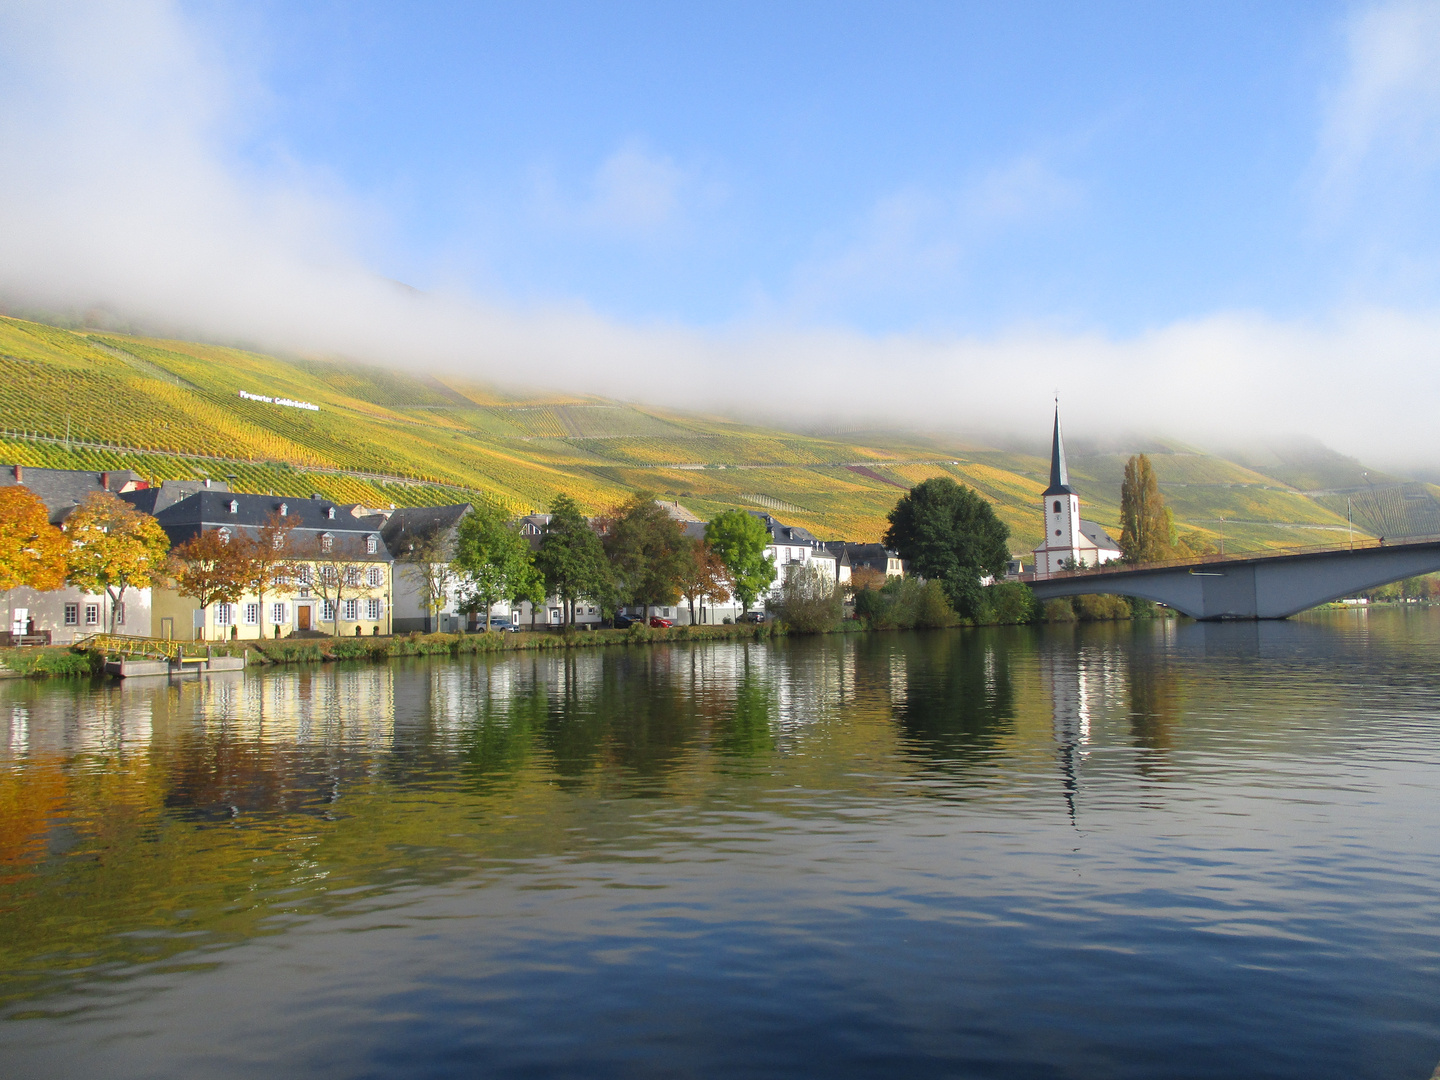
x: 810, y: 601
x: 951, y: 535
x: 268, y: 560
x: 1144, y: 523
x: 114, y: 547
x: 32, y: 551
x: 703, y: 577
x: 211, y: 569
x: 426, y: 556
x: 647, y: 550
x: 335, y: 567
x: 571, y: 558
x: 740, y: 540
x: 493, y: 562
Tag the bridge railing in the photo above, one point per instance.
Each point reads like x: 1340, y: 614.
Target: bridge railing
x: 1118, y: 567
x: 152, y: 648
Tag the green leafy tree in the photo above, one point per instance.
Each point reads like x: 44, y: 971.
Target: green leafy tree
x: 1145, y: 524
x: 740, y: 540
x: 571, y: 558
x: 493, y: 562
x: 114, y: 547
x: 950, y: 534
x: 648, y: 552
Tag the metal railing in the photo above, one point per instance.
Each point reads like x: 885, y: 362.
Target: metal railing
x: 1119, y: 567
x: 151, y: 648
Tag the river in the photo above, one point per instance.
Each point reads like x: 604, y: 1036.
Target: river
x: 1107, y: 850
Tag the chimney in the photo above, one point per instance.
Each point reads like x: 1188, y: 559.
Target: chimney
x: 105, y: 480
x: 207, y: 481
x: 19, y: 474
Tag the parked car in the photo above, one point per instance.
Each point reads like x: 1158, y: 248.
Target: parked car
x: 503, y: 624
x: 661, y: 624
x: 753, y: 616
x: 624, y: 622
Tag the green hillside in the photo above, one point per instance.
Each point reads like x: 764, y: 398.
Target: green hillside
x: 172, y: 409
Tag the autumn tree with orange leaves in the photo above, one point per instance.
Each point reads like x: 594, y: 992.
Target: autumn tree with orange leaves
x: 212, y: 569
x: 113, y: 548
x: 32, y: 551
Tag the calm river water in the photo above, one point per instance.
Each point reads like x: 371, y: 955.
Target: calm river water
x: 1156, y: 850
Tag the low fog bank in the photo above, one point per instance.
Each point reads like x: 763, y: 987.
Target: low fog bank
x: 125, y: 194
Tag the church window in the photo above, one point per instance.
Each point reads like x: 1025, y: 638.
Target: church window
x: 1057, y: 506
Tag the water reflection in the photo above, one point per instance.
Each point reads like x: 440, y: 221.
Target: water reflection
x: 786, y: 833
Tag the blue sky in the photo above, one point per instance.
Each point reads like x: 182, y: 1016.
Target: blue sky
x: 1220, y: 218
x: 889, y: 166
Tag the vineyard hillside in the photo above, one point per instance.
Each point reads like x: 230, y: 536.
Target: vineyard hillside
x: 173, y: 409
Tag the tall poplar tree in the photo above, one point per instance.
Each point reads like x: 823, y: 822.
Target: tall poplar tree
x: 1144, y: 523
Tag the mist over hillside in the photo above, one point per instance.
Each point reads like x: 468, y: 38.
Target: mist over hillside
x: 92, y: 397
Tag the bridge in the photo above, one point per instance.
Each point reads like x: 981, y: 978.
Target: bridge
x: 1253, y: 586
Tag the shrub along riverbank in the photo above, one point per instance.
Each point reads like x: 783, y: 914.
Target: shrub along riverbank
x: 905, y: 604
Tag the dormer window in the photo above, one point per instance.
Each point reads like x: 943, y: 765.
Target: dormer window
x: 234, y: 506
x: 224, y: 535
x: 284, y: 509
x: 372, y: 545
x: 330, y: 512
x: 326, y: 541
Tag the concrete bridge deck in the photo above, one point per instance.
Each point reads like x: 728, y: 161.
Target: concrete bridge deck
x: 1254, y: 586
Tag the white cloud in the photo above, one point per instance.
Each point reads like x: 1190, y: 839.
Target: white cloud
x: 635, y: 194
x: 1384, y: 117
x: 919, y: 239
x: 124, y: 192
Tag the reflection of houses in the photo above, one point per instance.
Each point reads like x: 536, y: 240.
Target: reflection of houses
x: 1069, y: 541
x: 69, y: 613
x: 336, y: 547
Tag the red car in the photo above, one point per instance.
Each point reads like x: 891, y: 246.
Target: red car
x: 659, y: 623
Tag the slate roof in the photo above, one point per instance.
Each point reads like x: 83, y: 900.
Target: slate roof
x: 1059, y: 474
x: 1097, y: 535
x: 869, y: 556
x: 61, y: 490
x: 415, y: 521
x: 785, y: 534
x: 210, y: 508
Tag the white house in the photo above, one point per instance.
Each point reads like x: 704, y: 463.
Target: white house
x: 1070, y: 541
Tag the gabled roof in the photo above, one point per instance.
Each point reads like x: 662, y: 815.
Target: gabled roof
x: 61, y: 490
x: 210, y: 508
x: 409, y: 522
x: 1097, y: 535
x: 785, y: 534
x: 1059, y: 474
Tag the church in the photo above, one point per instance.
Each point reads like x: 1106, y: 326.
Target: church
x: 1070, y: 540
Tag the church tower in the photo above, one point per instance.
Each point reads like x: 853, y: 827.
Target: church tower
x: 1062, y: 513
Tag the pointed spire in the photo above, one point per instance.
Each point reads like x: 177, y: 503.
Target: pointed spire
x: 1059, y: 476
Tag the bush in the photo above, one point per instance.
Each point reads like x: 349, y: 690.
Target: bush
x: 810, y: 603
x: 1060, y: 610
x: 905, y: 603
x: 1009, y: 603
x: 1100, y: 607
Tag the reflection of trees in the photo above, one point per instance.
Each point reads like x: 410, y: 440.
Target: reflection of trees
x: 745, y: 729
x: 1155, y: 700
x: 959, y: 698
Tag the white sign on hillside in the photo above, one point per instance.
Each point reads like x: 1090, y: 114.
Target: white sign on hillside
x: 280, y: 401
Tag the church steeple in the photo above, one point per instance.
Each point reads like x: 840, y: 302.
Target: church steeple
x: 1059, y: 476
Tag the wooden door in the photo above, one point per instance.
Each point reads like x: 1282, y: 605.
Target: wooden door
x: 302, y: 616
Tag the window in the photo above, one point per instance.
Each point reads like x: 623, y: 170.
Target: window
x: 352, y: 577
x: 371, y: 545
x: 327, y: 611
x: 328, y: 575
x: 252, y: 614
x: 372, y: 610
x: 72, y: 614
x: 92, y: 614
x: 277, y: 613
x: 375, y: 577
x: 1057, y: 506
x: 304, y: 575
x: 351, y: 610
x: 119, y: 614
x: 224, y: 614
x: 326, y: 541
x: 279, y: 541
x: 224, y: 535
x: 234, y: 506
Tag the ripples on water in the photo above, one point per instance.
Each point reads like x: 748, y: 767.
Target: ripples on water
x: 1105, y: 851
